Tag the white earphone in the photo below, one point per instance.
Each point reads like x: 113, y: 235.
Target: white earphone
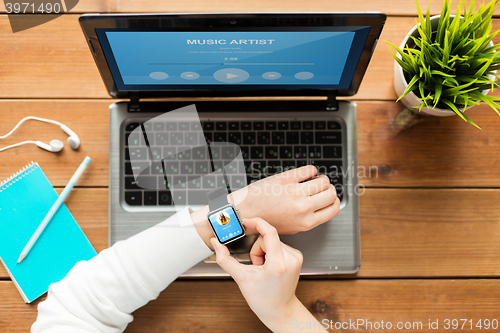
x: 55, y: 145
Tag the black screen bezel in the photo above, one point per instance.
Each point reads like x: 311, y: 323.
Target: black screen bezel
x: 207, y: 22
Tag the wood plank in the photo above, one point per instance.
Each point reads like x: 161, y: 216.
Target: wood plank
x: 88, y: 119
x: 404, y: 233
x: 430, y: 233
x: 409, y: 149
x: 392, y: 301
x: 49, y: 61
x: 390, y: 7
x: 53, y: 61
x: 90, y: 209
x: 405, y: 149
x: 212, y: 306
x: 82, y: 6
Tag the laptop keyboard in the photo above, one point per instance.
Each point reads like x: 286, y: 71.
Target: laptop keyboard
x: 268, y: 147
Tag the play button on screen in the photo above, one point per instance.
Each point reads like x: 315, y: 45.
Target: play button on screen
x: 231, y: 75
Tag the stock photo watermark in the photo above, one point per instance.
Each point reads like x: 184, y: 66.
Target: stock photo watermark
x: 462, y: 324
x: 24, y: 14
x: 335, y: 174
x: 181, y: 166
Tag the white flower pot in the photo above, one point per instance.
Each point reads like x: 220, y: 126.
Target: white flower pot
x: 400, y: 84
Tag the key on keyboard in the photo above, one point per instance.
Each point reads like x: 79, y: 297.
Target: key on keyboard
x: 267, y: 147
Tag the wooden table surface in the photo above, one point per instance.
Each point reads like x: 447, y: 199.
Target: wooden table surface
x: 430, y: 217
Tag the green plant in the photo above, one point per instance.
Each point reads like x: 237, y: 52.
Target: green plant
x: 448, y: 68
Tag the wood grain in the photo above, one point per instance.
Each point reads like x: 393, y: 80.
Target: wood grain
x: 53, y: 61
x: 397, y: 148
x: 217, y: 306
x: 402, y: 148
x: 88, y: 119
x: 49, y: 61
x: 446, y: 227
x: 83, y: 6
x: 390, y: 7
x: 404, y: 233
x: 430, y: 233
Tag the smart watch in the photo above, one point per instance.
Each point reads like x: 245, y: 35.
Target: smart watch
x: 223, y: 217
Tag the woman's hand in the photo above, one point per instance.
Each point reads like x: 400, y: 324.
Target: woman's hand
x: 290, y: 201
x: 269, y: 284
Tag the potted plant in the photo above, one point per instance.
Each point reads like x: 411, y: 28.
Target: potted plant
x: 447, y: 63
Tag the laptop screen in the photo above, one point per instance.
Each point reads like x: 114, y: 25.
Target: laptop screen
x: 320, y: 58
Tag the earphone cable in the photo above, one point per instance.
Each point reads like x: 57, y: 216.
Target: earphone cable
x: 17, y: 144
x: 29, y: 118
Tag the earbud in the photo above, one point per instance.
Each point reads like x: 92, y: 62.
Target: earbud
x: 55, y: 145
x: 73, y: 140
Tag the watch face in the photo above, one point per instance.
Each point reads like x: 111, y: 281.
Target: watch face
x: 226, y: 225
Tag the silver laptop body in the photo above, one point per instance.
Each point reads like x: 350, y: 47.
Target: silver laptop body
x: 331, y: 248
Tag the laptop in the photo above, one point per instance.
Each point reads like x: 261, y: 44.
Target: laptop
x: 297, y: 64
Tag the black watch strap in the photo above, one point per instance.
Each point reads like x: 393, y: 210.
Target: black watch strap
x: 217, y: 198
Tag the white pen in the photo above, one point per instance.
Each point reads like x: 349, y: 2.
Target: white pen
x: 54, y: 208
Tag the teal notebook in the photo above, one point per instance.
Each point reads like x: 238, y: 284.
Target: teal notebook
x: 25, y: 199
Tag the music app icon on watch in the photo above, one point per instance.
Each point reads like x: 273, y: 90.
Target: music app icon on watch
x: 225, y: 224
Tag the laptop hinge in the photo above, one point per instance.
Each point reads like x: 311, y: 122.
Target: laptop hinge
x: 331, y: 101
x: 133, y: 105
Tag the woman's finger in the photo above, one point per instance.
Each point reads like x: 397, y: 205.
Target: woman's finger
x: 271, y: 243
x: 323, y: 199
x: 300, y: 174
x: 327, y: 213
x: 315, y: 186
x: 229, y: 264
x: 257, y: 253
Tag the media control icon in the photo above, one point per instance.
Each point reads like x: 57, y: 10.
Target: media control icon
x: 231, y: 75
x: 158, y: 75
x: 304, y: 75
x: 271, y: 75
x: 190, y: 75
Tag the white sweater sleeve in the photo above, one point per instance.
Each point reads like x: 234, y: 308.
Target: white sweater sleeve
x: 99, y: 295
